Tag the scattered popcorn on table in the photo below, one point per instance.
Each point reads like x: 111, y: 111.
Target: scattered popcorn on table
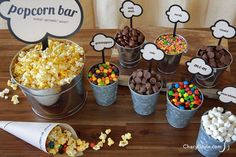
x: 110, y: 142
x: 220, y: 125
x: 108, y: 131
x: 103, y: 136
x: 123, y: 143
x: 125, y: 139
x: 60, y: 141
x: 2, y: 94
x: 15, y: 100
x: 59, y: 64
x: 12, y: 85
x: 6, y: 91
x: 6, y: 97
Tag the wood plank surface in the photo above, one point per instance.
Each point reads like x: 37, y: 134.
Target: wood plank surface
x: 152, y: 135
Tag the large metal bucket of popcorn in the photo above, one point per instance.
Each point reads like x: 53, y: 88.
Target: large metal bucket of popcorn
x: 48, y: 100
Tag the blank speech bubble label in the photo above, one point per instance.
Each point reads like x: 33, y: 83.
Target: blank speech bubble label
x: 227, y: 95
x: 31, y: 21
x: 199, y: 66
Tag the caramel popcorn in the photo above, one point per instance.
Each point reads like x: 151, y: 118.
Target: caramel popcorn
x: 60, y: 141
x: 59, y: 64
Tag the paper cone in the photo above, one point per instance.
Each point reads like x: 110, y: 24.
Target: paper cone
x: 34, y: 133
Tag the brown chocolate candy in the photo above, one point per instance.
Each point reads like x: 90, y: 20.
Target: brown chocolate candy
x: 129, y: 37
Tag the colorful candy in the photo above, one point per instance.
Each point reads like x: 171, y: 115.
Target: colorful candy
x: 171, y: 45
x: 185, y: 95
x: 103, y: 74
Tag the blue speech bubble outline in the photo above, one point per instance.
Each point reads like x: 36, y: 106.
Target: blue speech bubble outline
x: 47, y: 34
x: 186, y: 63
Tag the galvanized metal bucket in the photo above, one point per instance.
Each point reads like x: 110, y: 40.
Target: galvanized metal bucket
x: 129, y: 57
x: 179, y: 118
x: 54, y: 103
x: 208, y: 146
x: 211, y: 81
x: 104, y: 95
x: 170, y: 63
x: 144, y: 104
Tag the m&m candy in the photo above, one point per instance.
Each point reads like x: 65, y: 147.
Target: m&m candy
x: 185, y: 95
x: 103, y: 74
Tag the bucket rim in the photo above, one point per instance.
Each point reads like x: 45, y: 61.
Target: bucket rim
x: 141, y: 95
x: 168, y: 33
x: 103, y: 86
x: 169, y: 102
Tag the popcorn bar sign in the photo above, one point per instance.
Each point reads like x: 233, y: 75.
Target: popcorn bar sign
x: 32, y: 21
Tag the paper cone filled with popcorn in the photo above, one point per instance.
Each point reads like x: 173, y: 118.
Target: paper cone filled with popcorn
x: 52, y: 138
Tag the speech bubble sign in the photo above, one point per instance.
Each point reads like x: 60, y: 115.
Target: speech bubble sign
x: 101, y: 42
x: 199, y: 66
x: 222, y: 29
x: 151, y: 52
x: 32, y: 21
x: 227, y: 95
x: 129, y: 9
x: 177, y: 14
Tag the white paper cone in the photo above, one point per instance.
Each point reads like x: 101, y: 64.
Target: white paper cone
x: 34, y: 133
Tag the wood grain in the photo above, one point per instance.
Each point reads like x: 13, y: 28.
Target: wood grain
x: 152, y: 134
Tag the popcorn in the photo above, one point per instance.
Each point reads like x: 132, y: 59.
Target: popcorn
x: 220, y: 125
x: 6, y: 91
x: 125, y: 139
x: 61, y: 141
x: 123, y: 143
x: 2, y: 94
x: 103, y: 136
x: 110, y: 142
x: 59, y: 64
x: 15, y: 100
x: 12, y: 85
x: 6, y: 97
x: 108, y: 131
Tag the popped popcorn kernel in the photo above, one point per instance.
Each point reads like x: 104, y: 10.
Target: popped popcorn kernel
x: 123, y: 143
x: 59, y: 64
x: 110, y: 142
x: 96, y: 148
x: 103, y: 136
x: 108, y: 131
x: 15, y: 100
x: 12, y: 85
x: 6, y: 91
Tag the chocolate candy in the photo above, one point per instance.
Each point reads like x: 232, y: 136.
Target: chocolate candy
x: 145, y: 82
x: 129, y: 37
x: 216, y: 57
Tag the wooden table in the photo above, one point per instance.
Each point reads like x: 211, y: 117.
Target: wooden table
x: 152, y: 135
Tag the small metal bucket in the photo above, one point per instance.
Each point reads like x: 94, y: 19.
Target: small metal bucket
x: 170, y: 62
x: 54, y: 103
x: 211, y: 81
x: 129, y: 57
x: 104, y: 95
x: 179, y: 118
x: 208, y: 146
x: 144, y: 104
